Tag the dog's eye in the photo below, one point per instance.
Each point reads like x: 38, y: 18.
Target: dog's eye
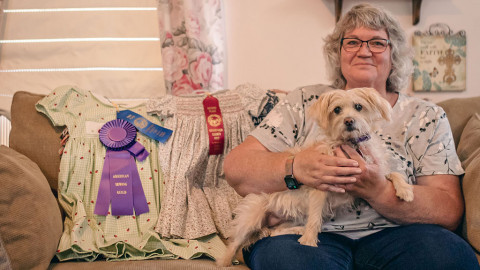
x: 337, y: 110
x: 358, y: 107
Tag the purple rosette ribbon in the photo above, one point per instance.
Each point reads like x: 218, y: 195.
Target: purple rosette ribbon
x: 120, y: 184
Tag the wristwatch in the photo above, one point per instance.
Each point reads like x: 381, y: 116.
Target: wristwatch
x: 290, y: 180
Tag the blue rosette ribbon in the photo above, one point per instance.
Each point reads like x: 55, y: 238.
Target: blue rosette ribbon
x: 120, y: 183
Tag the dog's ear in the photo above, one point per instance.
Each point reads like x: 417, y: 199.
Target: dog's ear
x: 319, y: 109
x: 378, y: 103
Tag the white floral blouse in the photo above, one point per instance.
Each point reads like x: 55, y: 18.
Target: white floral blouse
x: 419, y: 139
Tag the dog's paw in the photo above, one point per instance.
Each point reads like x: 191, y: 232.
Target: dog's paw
x: 294, y: 230
x: 403, y: 190
x: 287, y: 230
x: 224, y: 262
x: 405, y: 194
x: 307, y: 241
x: 226, y: 259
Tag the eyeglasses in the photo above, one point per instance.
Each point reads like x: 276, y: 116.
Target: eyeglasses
x: 376, y: 45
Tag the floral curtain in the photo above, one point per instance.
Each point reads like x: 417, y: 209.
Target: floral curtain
x: 192, y: 34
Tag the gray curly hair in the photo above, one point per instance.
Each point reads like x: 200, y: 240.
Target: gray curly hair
x: 365, y: 15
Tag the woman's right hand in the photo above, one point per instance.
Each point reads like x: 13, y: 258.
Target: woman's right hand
x: 324, y: 172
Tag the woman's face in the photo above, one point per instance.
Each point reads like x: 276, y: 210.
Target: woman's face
x: 364, y: 68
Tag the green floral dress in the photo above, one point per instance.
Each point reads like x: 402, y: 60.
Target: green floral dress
x: 86, y: 235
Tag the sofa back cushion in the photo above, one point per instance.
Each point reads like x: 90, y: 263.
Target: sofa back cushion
x: 469, y: 145
x: 34, y: 136
x: 459, y: 111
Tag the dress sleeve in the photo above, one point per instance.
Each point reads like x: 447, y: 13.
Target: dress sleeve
x: 282, y: 127
x: 435, y: 153
x: 62, y: 104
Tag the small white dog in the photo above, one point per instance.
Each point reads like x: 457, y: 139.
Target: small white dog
x: 347, y: 117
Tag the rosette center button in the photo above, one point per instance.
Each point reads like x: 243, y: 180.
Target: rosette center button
x: 117, y: 134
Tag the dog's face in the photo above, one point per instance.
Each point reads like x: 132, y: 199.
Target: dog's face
x: 349, y: 115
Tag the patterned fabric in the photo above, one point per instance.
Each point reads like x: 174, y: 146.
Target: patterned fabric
x: 198, y: 200
x: 418, y: 138
x: 268, y: 104
x: 193, y: 40
x: 86, y: 235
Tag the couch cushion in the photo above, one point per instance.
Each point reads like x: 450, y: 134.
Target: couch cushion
x: 34, y: 136
x: 197, y: 264
x: 30, y: 220
x: 469, y: 144
x: 459, y: 110
x: 469, y: 154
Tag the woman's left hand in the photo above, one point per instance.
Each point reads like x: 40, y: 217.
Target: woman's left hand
x: 371, y: 181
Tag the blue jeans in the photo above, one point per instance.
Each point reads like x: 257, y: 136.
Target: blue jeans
x: 409, y: 247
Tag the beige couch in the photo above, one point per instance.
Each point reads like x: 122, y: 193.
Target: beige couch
x: 31, y: 221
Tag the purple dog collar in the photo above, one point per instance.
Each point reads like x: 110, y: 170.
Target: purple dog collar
x: 360, y: 139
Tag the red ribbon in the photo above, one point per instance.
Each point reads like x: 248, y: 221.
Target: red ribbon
x: 213, y: 117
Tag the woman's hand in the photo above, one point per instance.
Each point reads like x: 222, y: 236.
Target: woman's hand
x: 371, y: 181
x: 324, y: 172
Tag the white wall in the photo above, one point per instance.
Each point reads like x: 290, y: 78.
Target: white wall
x: 278, y: 43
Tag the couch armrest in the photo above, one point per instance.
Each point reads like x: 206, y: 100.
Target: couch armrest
x: 469, y: 154
x: 471, y: 191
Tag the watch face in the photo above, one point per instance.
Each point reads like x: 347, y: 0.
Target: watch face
x: 291, y: 182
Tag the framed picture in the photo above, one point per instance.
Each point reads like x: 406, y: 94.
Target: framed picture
x: 440, y: 59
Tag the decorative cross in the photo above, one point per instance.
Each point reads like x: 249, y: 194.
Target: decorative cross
x: 449, y: 60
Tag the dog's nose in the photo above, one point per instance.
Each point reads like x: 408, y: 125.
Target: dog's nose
x: 349, y: 121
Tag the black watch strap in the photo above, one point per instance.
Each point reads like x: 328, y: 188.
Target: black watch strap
x: 290, y: 180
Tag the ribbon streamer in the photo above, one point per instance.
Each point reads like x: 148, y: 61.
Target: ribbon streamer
x: 214, y: 120
x: 146, y: 127
x: 120, y: 184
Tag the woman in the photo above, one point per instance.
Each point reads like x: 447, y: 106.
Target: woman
x: 367, y: 48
